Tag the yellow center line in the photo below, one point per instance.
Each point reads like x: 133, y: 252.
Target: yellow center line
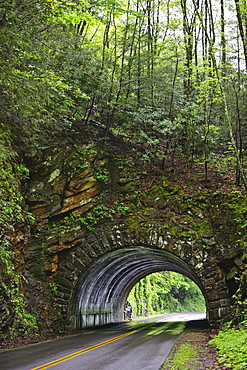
x: 82, y: 351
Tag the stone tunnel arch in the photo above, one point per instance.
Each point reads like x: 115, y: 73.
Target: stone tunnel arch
x: 101, y: 291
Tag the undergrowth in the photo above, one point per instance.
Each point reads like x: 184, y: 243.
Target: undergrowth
x: 232, y: 347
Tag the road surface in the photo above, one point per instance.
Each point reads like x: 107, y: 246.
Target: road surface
x: 137, y: 345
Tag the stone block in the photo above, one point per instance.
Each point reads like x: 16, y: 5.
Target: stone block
x: 79, y: 199
x: 102, y: 240
x: 64, y: 282
x: 209, y: 282
x: 82, y: 255
x: 223, y: 294
x: 214, y: 304
x: 80, y: 183
x: 89, y: 251
x: 78, y: 263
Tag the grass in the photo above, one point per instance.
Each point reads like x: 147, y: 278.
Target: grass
x: 183, y: 358
x: 192, y: 352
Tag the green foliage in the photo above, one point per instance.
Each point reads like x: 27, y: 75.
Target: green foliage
x: 232, y: 347
x: 102, y: 175
x: 11, y: 202
x: 38, y: 97
x: 53, y: 287
x: 165, y: 292
x: 121, y: 208
x: 6, y: 258
x: 12, y: 215
x: 26, y: 321
x: 63, y: 61
x: 99, y: 212
x: 104, y: 212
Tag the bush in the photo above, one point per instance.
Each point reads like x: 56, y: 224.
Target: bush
x: 232, y: 347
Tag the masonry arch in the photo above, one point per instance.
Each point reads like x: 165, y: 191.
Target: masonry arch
x: 101, y: 291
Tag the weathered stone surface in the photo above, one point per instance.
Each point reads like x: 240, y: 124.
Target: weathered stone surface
x: 163, y: 228
x: 79, y: 199
x: 80, y: 183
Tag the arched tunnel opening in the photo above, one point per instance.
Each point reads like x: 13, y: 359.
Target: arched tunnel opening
x: 102, y: 290
x: 164, y: 292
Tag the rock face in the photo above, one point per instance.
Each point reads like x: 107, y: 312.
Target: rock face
x: 103, y: 222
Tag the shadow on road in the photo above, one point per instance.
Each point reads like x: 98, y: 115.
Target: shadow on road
x: 197, y: 325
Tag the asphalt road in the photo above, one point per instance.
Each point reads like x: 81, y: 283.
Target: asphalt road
x: 137, y: 345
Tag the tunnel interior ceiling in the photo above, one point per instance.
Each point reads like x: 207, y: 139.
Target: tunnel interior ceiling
x: 102, y: 289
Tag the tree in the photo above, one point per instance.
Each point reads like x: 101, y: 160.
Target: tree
x: 241, y: 11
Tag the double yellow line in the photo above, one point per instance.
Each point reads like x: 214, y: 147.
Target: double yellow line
x: 81, y: 352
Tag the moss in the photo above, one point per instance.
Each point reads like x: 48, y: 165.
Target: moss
x: 134, y: 222
x: 185, y: 217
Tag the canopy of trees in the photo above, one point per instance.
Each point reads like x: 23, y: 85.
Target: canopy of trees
x: 170, y: 75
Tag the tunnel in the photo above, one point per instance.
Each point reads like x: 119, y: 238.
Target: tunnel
x: 101, y: 291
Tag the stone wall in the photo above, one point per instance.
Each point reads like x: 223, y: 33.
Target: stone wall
x: 89, y: 203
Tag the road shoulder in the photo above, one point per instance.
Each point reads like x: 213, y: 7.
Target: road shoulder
x: 204, y: 355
